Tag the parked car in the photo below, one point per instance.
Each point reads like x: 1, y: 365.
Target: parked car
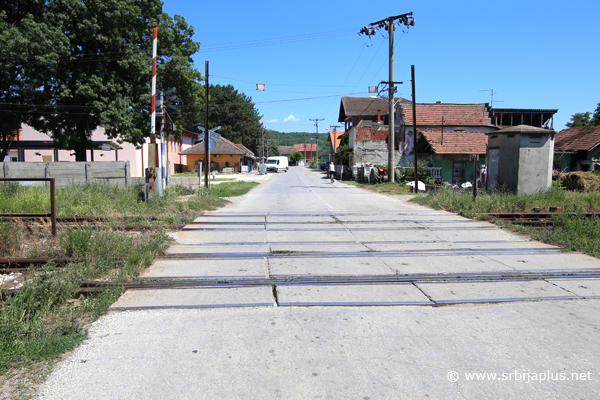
x: 324, y: 166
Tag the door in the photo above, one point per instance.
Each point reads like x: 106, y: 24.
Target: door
x: 458, y: 172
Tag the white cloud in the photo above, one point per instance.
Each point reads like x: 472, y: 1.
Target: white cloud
x: 291, y: 118
x: 272, y: 121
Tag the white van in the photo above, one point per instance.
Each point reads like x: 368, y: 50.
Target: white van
x: 277, y: 164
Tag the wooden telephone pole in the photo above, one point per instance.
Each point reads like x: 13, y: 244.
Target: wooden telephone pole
x: 390, y: 25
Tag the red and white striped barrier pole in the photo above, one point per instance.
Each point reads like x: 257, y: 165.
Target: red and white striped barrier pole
x: 159, y: 139
x: 145, y: 160
x: 154, y: 50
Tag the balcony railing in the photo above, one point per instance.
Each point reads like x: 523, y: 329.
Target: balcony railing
x: 435, y: 172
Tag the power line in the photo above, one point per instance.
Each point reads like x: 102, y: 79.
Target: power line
x: 278, y: 84
x: 349, y: 73
x: 274, y: 41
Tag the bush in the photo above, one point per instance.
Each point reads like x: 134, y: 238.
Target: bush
x: 423, y: 174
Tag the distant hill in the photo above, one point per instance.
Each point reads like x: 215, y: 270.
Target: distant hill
x: 292, y: 138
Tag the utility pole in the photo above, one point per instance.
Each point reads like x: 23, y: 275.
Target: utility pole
x: 262, y: 143
x: 206, y: 132
x: 414, y: 112
x: 390, y: 25
x: 317, y: 136
x: 304, y: 144
x: 391, y: 132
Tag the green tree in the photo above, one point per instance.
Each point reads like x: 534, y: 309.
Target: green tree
x: 31, y: 47
x: 237, y: 116
x: 345, y: 139
x: 175, y: 70
x: 595, y: 121
x: 105, y: 80
x: 579, y: 120
x: 295, y: 156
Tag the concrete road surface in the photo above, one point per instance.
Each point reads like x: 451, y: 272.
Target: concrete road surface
x: 303, y: 289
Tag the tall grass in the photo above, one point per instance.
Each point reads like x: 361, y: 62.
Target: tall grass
x: 99, y: 199
x: 462, y: 201
x: 231, y: 189
x: 574, y: 232
x: 43, y: 320
x: 577, y: 233
x: 40, y: 323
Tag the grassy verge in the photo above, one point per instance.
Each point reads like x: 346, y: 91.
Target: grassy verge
x: 231, y: 189
x: 576, y: 232
x: 384, y: 188
x: 45, y: 318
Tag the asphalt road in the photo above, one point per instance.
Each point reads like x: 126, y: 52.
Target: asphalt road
x: 328, y: 291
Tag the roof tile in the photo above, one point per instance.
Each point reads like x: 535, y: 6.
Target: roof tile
x: 454, y: 114
x: 365, y: 106
x: 577, y: 139
x: 456, y: 142
x: 305, y: 147
x: 223, y: 146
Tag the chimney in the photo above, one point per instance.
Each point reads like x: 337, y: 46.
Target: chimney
x: 438, y: 102
x: 378, y: 115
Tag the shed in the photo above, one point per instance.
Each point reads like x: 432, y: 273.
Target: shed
x: 520, y: 159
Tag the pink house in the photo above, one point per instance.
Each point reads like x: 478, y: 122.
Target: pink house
x: 35, y: 146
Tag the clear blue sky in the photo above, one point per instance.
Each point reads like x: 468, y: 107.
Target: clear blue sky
x: 533, y: 54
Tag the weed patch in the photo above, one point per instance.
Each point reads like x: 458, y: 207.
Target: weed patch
x: 385, y: 188
x: 232, y: 189
x: 45, y: 319
x: 575, y: 232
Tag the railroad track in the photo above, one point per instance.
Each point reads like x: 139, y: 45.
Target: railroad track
x: 170, y: 283
x: 90, y: 287
x: 14, y: 264
x: 536, y: 219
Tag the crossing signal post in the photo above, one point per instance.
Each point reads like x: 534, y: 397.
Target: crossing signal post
x: 210, y: 145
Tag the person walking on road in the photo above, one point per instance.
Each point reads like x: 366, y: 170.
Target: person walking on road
x: 331, y: 171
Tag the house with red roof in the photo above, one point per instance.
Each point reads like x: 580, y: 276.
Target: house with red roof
x: 35, y: 146
x: 448, y: 135
x: 225, y: 155
x: 577, y: 149
x: 286, y: 150
x: 334, y: 138
x: 308, y: 150
x: 366, y: 121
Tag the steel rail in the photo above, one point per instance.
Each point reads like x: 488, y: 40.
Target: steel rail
x: 540, y: 214
x: 90, y: 287
x: 328, y: 254
x: 82, y: 218
x: 163, y: 283
x: 16, y: 262
x: 316, y: 229
x: 466, y: 221
x: 328, y: 214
